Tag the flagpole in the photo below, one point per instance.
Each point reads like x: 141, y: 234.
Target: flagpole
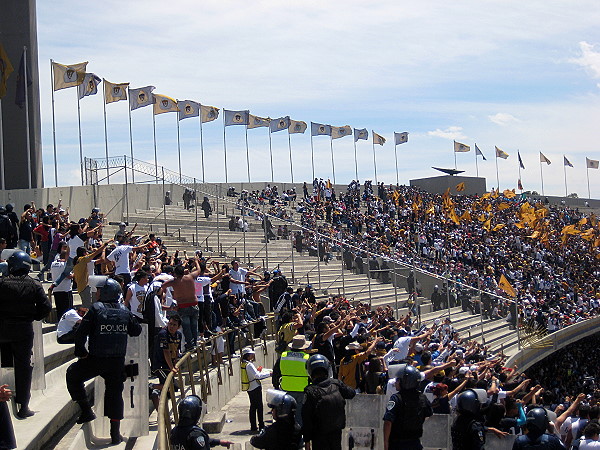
x: 312, y: 153
x: 155, y: 150
x: 271, y: 155
x: 454, y: 159
x: 476, y: 163
x: 201, y: 144
x: 355, y: 161
x: 542, y: 177
x: 106, y: 136
x: 178, y: 147
x: 587, y: 172
x: 28, y: 140
x: 396, y: 158
x: 224, y: 146
x: 497, y: 176
x: 290, y: 147
x: 332, y: 160
x: 131, y: 140
x: 79, y: 125
x: 53, y: 123
x: 374, y: 160
x: 247, y: 154
x: 519, y: 163
x: 565, y: 171
x: 2, y: 184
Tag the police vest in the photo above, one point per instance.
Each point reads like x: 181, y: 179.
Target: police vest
x: 109, y: 335
x: 293, y: 371
x: 244, y: 376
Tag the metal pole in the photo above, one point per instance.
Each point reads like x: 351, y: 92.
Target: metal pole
x: 332, y: 159
x: 517, y: 324
x: 155, y: 150
x: 225, y: 148
x: 396, y: 291
x: 369, y: 272
x: 312, y: 154
x: 2, y: 183
x: 355, y: 161
x: 131, y: 141
x: 202, y: 145
x: 497, y: 176
x: 587, y: 172
x: 448, y: 289
x: 178, y: 148
x: 247, y: 154
x: 196, y: 212
x: 266, y: 247
x: 105, y: 135
x: 481, y: 314
x: 476, y: 163
x: 542, y: 177
x: 164, y: 204
x: 396, y: 157
x: 343, y: 276
x: 290, y: 147
x: 53, y: 128
x: 79, y: 126
x: 126, y: 188
x: 565, y: 171
x: 244, y: 232
x: 271, y: 155
x: 374, y: 161
x: 318, y: 259
x: 293, y: 266
x: 28, y: 140
x: 218, y: 195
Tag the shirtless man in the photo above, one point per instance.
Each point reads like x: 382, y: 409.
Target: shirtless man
x: 184, y: 293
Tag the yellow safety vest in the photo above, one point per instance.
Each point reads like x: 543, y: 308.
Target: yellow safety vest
x: 244, y: 376
x: 293, y: 371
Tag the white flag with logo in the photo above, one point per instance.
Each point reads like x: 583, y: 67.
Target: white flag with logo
x: 209, y: 113
x: 68, y: 76
x: 188, y: 108
x: 297, y: 126
x: 592, y: 163
x: 340, y: 132
x: 401, y: 138
x: 89, y: 85
x: 164, y: 104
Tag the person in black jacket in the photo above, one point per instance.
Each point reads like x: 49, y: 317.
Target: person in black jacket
x: 107, y: 324
x: 284, y: 433
x: 323, y: 412
x: 22, y: 300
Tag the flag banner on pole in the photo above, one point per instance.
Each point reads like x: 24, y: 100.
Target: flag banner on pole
x: 340, y: 132
x: 208, y: 113
x: 479, y: 153
x: 279, y: 124
x: 520, y: 185
x: 68, y: 76
x: 501, y: 153
x: 544, y: 159
x: 297, y: 126
x: 188, y: 108
x: 592, y: 163
x: 164, y: 104
x: 115, y: 92
x: 521, y: 165
x: 319, y: 129
x: 461, y: 148
x: 378, y: 139
x: 506, y: 287
x: 140, y: 97
x: 460, y: 187
x: 6, y: 69
x: 566, y: 162
x: 89, y: 85
x: 401, y: 138
x: 256, y: 122
x: 361, y: 134
x: 236, y: 117
x: 21, y: 90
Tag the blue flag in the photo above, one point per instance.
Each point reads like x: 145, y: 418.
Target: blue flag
x: 20, y: 98
x: 319, y: 129
x: 236, y: 117
x: 521, y: 165
x: 478, y: 153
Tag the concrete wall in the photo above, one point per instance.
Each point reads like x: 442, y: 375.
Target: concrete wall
x: 439, y: 185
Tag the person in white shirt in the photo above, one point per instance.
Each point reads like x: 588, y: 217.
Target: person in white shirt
x: 253, y: 388
x: 591, y: 437
x: 63, y: 296
x: 120, y: 256
x: 136, y: 294
x: 68, y: 324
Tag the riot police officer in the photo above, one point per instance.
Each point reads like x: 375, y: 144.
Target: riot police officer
x: 537, y: 437
x: 22, y: 300
x: 107, y: 324
x: 324, y: 410
x: 406, y: 412
x: 285, y: 432
x: 187, y: 435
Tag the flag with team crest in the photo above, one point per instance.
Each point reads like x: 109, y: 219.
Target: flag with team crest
x: 208, y: 113
x: 279, y: 124
x: 114, y: 92
x: 68, y: 76
x: 297, y: 126
x: 164, y: 104
x: 140, y: 97
x: 188, y: 108
x: 89, y: 85
x: 256, y: 122
x: 236, y: 117
x: 361, y: 134
x: 378, y: 139
x: 319, y: 129
x: 401, y: 138
x: 340, y: 132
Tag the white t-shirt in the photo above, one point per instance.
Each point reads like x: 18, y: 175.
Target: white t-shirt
x: 67, y: 322
x: 138, y: 295
x: 74, y: 243
x: 589, y: 444
x: 402, y: 344
x: 120, y: 256
x: 199, y: 285
x: 56, y: 269
x: 239, y: 275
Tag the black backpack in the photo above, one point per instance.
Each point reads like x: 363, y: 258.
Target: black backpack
x: 411, y: 416
x: 330, y: 414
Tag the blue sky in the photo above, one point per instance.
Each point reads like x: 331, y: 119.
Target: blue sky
x: 496, y: 73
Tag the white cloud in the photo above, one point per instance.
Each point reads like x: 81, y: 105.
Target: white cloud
x: 589, y: 59
x: 503, y: 118
x: 452, y: 133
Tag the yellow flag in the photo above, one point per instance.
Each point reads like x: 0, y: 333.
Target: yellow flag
x: 466, y: 216
x: 509, y: 194
x: 460, y: 187
x: 6, y: 69
x: 488, y: 207
x: 454, y: 217
x: 164, y: 104
x: 534, y: 235
x: 68, y: 76
x: 113, y: 92
x: 588, y: 234
x: 503, y: 206
x: 519, y: 225
x: 431, y: 209
x: 499, y: 227
x: 506, y: 287
x: 487, y: 224
x: 486, y: 195
x: 482, y: 217
x: 582, y: 221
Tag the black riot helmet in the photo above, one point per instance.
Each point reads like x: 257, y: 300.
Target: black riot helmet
x: 537, y: 421
x: 19, y: 263
x: 190, y: 410
x: 409, y: 377
x: 317, y: 364
x: 468, y: 402
x: 284, y: 405
x: 111, y: 291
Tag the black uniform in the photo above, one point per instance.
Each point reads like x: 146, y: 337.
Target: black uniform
x: 407, y: 411
x: 22, y: 300
x: 107, y: 325
x: 543, y: 442
x: 283, y: 434
x: 191, y: 437
x: 467, y: 433
x: 324, y: 414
